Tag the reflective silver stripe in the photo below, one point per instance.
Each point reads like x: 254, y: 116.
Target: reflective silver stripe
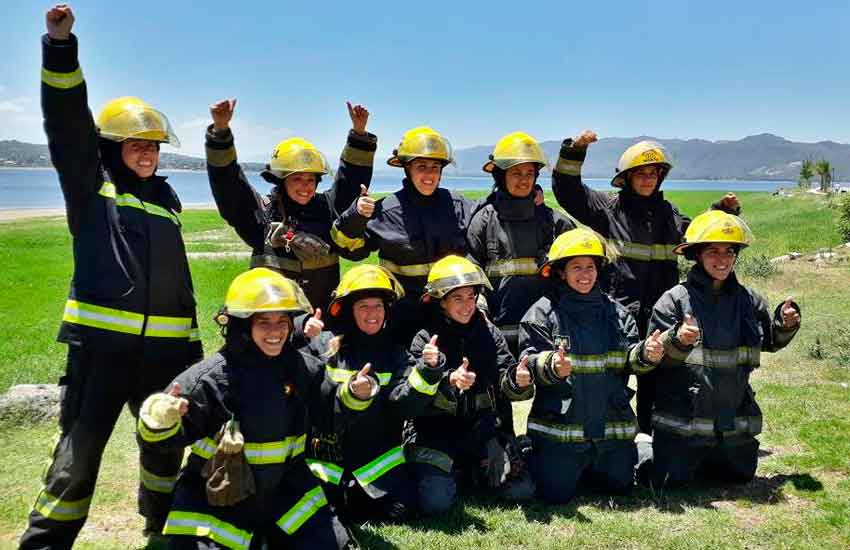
x: 303, y: 510
x: 725, y: 358
x: 568, y: 167
x: 169, y: 327
x: 62, y: 81
x: 413, y: 270
x: 594, y: 364
x: 54, y: 508
x: 270, y: 452
x: 620, y: 430
x: 514, y: 266
x: 159, y: 484
x: 105, y: 318
x: 564, y: 434
x: 378, y: 467
x: 704, y: 426
x: 427, y: 455
x: 204, y: 448
x: 204, y: 525
x: 326, y: 471
x: 646, y: 252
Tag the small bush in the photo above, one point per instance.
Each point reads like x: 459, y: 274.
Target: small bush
x: 844, y: 216
x: 755, y: 265
x: 816, y: 350
x: 841, y: 342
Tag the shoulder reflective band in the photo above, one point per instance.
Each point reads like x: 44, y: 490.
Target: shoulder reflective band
x: 595, y: 364
x: 108, y: 190
x: 646, y: 252
x: 568, y: 167
x: 563, y: 433
x: 344, y: 241
x: 351, y: 401
x: 326, y: 471
x: 413, y: 270
x: 272, y: 452
x: 378, y: 467
x: 437, y: 459
x: 358, y: 157
x: 205, y: 525
x: 303, y: 510
x: 152, y: 436
x: 704, y: 427
x: 158, y: 484
x: 90, y: 315
x: 343, y: 375
x: 62, y: 81
x: 419, y: 384
x: 515, y: 266
x: 57, y: 509
x: 743, y: 356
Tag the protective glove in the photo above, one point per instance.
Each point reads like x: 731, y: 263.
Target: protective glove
x: 229, y: 477
x: 305, y: 246
x: 161, y: 411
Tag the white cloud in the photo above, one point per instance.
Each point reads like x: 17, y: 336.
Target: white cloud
x: 254, y: 141
x: 21, y: 119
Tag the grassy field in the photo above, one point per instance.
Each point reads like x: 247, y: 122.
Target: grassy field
x: 800, y: 499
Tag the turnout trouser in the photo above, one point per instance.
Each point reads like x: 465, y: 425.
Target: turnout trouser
x: 95, y: 388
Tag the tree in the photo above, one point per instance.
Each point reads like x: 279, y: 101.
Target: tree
x: 806, y: 174
x: 824, y: 170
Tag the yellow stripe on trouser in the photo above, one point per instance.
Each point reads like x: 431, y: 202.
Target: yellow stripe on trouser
x: 326, y: 471
x: 54, y: 508
x: 344, y: 241
x: 205, y: 525
x: 153, y: 482
x: 303, y: 510
x: 62, y: 81
x: 378, y: 467
x: 515, y: 266
x: 271, y: 452
x: 412, y: 270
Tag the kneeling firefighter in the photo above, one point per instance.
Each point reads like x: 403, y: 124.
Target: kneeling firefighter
x: 245, y: 412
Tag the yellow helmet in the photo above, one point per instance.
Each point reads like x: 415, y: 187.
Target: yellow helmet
x: 262, y: 290
x: 131, y: 118
x: 365, y: 278
x: 643, y: 153
x: 513, y: 149
x: 297, y: 155
x: 421, y: 142
x: 716, y: 226
x: 581, y: 241
x: 450, y: 273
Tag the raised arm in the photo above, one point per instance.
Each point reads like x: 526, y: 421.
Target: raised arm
x: 355, y: 163
x: 580, y: 201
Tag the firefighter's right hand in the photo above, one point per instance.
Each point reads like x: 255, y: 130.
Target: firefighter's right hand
x: 688, y: 333
x: 314, y: 325
x: 523, y: 375
x: 462, y: 378
x: 431, y: 353
x: 561, y: 364
x: 222, y: 113
x: 365, y: 203
x: 59, y: 20
x: 584, y: 139
x: 362, y: 385
x: 163, y: 410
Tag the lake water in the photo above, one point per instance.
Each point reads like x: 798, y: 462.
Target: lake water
x: 39, y: 188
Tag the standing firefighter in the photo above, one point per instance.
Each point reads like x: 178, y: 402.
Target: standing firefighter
x: 639, y: 222
x: 129, y: 321
x: 289, y: 231
x: 580, y: 343
x: 245, y: 413
x: 714, y: 330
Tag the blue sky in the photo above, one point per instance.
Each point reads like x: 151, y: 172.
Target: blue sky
x: 472, y: 70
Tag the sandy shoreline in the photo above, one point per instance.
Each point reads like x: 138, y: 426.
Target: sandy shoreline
x: 15, y: 214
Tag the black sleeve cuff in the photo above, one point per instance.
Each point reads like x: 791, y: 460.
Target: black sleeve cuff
x: 366, y: 142
x: 570, y: 152
x: 219, y: 139
x: 59, y: 56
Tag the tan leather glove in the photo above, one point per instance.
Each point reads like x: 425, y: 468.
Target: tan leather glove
x: 161, y: 411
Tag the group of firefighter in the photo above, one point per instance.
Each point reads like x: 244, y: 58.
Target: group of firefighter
x: 387, y: 392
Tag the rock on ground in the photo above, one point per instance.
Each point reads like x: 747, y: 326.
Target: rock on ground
x: 33, y: 402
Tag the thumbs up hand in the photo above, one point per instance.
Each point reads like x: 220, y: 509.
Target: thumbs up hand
x: 562, y: 364
x: 431, y: 353
x: 523, y: 375
x: 362, y: 385
x: 365, y: 203
x: 314, y: 325
x: 790, y: 315
x: 653, y: 348
x: 688, y: 333
x: 462, y: 378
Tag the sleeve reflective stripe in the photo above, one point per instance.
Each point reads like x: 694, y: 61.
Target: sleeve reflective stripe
x: 101, y: 317
x: 303, y: 510
x: 271, y: 452
x: 169, y: 327
x: 358, y: 157
x: 219, y: 158
x: 427, y: 455
x: 646, y: 252
x: 344, y: 241
x: 107, y: 190
x: 594, y: 364
x: 57, y: 509
x: 204, y: 525
x: 378, y: 467
x: 412, y: 270
x: 351, y: 401
x: 326, y: 471
x: 204, y: 448
x: 384, y: 378
x: 62, y: 81
x: 157, y: 483
x: 514, y: 266
x: 419, y: 384
x: 194, y: 334
x: 343, y: 375
x: 568, y: 167
x: 155, y: 436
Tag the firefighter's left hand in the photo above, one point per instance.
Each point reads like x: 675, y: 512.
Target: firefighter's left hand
x: 359, y: 117
x: 730, y: 202
x: 790, y: 315
x: 462, y: 378
x: 314, y: 325
x: 362, y: 385
x: 653, y: 348
x: 523, y: 375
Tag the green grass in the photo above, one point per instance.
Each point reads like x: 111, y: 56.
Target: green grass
x: 800, y: 498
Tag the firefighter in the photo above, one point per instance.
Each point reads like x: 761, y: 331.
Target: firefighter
x: 289, y: 230
x: 581, y: 343
x: 713, y: 329
x: 639, y: 222
x: 130, y: 321
x: 451, y: 390
x: 245, y: 413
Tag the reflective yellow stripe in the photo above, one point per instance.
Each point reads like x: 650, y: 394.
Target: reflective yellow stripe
x: 326, y: 471
x: 204, y: 448
x: 303, y: 510
x: 515, y: 266
x: 54, y: 508
x: 194, y: 335
x: 412, y: 270
x: 743, y: 356
x: 169, y: 327
x: 351, y: 401
x: 62, y: 81
x: 646, y: 252
x: 157, y: 483
x: 378, y: 467
x: 344, y: 241
x: 126, y: 199
x: 204, y: 525
x: 703, y: 427
x: 358, y: 157
x: 155, y: 436
x: 568, y: 167
x: 419, y: 384
x: 90, y: 315
x: 559, y: 432
x: 426, y: 455
x: 107, y: 190
x: 271, y: 452
x: 595, y: 364
x: 343, y: 375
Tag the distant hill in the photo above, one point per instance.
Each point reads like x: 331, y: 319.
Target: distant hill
x: 33, y: 155
x: 761, y: 157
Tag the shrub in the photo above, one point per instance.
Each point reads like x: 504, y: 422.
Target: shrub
x: 844, y: 216
x: 755, y: 265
